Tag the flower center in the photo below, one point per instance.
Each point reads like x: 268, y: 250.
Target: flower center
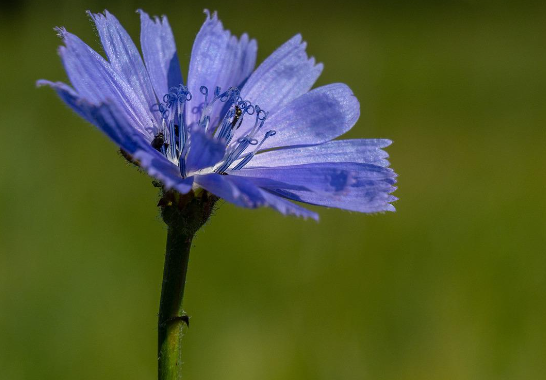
x: 219, y: 116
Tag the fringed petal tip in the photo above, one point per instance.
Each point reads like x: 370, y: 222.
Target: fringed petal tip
x: 383, y: 143
x: 157, y: 19
x: 387, y: 207
x: 214, y: 16
x: 390, y: 208
x: 44, y: 82
x: 302, y: 45
x: 61, y: 32
x: 318, y: 68
x: 98, y: 17
x: 103, y: 14
x: 297, y: 39
x: 382, y: 210
x: 57, y: 86
x: 213, y: 21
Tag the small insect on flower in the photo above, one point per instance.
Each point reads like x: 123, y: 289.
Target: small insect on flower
x: 238, y: 114
x: 253, y: 136
x: 158, y: 143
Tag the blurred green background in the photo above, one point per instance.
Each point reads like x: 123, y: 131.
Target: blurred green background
x: 451, y: 286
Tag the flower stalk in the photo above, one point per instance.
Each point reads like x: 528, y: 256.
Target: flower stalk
x: 184, y: 216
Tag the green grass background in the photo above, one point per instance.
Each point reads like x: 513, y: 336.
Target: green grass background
x: 451, y: 286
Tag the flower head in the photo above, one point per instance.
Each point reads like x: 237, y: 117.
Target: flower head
x: 253, y: 137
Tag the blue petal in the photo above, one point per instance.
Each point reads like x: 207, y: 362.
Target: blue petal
x: 159, y: 51
x: 205, y: 151
x: 286, y: 207
x: 268, y: 183
x: 314, y: 118
x: 242, y: 192
x: 118, y: 132
x: 94, y: 79
x: 220, y: 186
x: 364, y: 151
x: 323, y: 177
x: 366, y: 199
x: 124, y: 57
x: 217, y: 59
x: 246, y: 59
x: 113, y: 123
x: 157, y: 166
x: 108, y: 118
x: 351, y: 186
x: 68, y: 95
x: 238, y: 63
x: 283, y: 76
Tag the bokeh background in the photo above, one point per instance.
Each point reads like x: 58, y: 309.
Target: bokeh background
x: 451, y: 286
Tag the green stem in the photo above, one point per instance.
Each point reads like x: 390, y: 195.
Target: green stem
x: 170, y: 309
x: 184, y: 215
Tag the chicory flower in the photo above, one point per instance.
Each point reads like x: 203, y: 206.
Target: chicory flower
x: 254, y: 137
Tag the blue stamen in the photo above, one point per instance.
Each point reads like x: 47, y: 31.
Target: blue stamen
x: 173, y: 127
x: 234, y: 154
x: 176, y: 133
x: 182, y: 166
x: 249, y: 156
x: 205, y: 91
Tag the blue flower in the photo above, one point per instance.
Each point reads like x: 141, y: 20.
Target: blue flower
x: 252, y: 137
